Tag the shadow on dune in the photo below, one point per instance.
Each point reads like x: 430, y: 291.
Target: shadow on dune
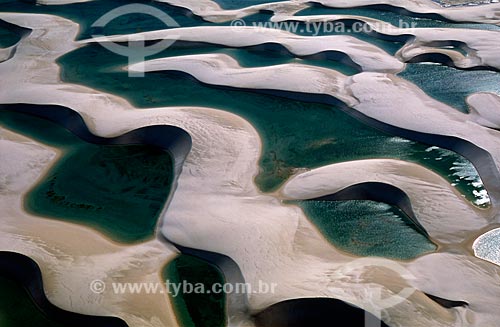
x: 379, y: 192
x: 23, y: 270
x: 315, y: 312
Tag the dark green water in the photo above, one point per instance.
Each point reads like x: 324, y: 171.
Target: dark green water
x: 85, y: 14
x: 450, y: 85
x: 398, y: 20
x: 254, y: 56
x: 8, y: 37
x: 321, y: 29
x: 326, y: 136
x: 368, y: 228
x: 17, y: 309
x: 295, y: 134
x: 195, y: 309
x: 118, y: 190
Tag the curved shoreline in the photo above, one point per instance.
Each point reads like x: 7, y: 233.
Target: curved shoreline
x: 422, y: 186
x: 9, y: 52
x: 236, y: 303
x: 169, y: 138
x: 364, y: 54
x: 26, y: 272
x: 485, y: 248
x: 74, y: 122
x: 379, y: 192
x: 267, y: 240
x: 447, y: 303
x: 484, y: 109
x: 481, y: 46
x: 22, y: 32
x: 481, y: 159
x: 211, y: 11
x: 202, y: 67
x: 172, y: 139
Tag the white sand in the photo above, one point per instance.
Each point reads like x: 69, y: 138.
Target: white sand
x: 72, y: 256
x: 485, y: 109
x: 376, y: 95
x: 435, y: 202
x: 216, y: 206
x: 366, y: 55
x: 482, y: 46
x: 211, y: 11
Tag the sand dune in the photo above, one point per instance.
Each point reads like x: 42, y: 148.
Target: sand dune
x: 216, y: 206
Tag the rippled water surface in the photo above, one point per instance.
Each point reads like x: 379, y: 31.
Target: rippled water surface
x: 368, y: 228
x: 295, y: 134
x: 118, y: 190
x: 450, y: 85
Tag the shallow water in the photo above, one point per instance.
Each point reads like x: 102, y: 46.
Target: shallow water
x: 256, y: 56
x: 295, y: 134
x: 118, y: 190
x: 450, y: 85
x: 368, y: 228
x: 85, y: 14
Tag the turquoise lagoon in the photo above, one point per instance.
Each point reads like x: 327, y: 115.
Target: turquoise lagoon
x: 368, y: 228
x: 118, y: 190
x: 295, y: 134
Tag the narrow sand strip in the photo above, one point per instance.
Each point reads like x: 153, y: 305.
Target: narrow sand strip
x: 378, y: 96
x: 211, y: 11
x: 435, y: 202
x: 482, y: 46
x: 366, y: 55
x: 268, y: 241
x: 485, y: 109
x: 222, y: 69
